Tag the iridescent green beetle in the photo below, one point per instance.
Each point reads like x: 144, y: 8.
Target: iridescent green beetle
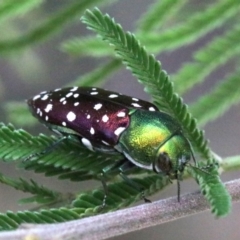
x: 114, y: 123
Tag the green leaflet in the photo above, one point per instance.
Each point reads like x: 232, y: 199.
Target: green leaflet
x: 211, y: 186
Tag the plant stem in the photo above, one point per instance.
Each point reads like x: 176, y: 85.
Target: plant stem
x: 231, y: 163
x: 123, y: 221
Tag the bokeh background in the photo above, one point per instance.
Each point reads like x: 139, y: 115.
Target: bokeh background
x: 44, y: 66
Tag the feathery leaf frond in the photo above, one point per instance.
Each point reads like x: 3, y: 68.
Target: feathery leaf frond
x: 216, y: 53
x: 149, y: 72
x: 50, y: 26
x: 218, y: 101
x: 175, y: 37
x: 213, y: 188
x: 90, y: 46
x: 195, y: 27
x: 42, y: 194
x: 157, y: 14
x: 121, y: 194
x: 18, y: 145
x: 98, y: 75
x: 18, y: 114
x: 12, y: 8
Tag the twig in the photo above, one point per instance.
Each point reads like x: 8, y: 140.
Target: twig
x: 119, y: 222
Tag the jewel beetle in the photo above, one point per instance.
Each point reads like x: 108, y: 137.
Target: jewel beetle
x: 110, y: 122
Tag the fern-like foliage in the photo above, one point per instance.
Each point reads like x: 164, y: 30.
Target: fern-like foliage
x: 99, y: 75
x: 196, y: 26
x: 47, y: 28
x: 149, y: 72
x: 213, y: 189
x: 11, y: 8
x: 90, y: 46
x: 71, y: 160
x: 18, y: 113
x: 18, y: 145
x: 121, y: 194
x: 215, y: 54
x: 41, y: 194
x: 180, y: 35
x: 218, y: 101
x: 157, y: 14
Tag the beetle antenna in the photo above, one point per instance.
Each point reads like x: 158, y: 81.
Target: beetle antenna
x: 195, y: 161
x: 192, y: 153
x: 201, y: 169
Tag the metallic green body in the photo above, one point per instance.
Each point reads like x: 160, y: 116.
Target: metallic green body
x: 154, y: 141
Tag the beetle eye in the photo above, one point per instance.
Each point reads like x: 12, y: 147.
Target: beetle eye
x: 163, y: 163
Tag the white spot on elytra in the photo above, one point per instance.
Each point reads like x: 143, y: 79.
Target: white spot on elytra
x: 97, y: 106
x: 113, y: 96
x: 38, y: 111
x: 43, y: 92
x: 57, y: 89
x: 97, y: 120
x: 45, y: 97
x: 74, y: 89
x: 69, y: 94
x: 94, y: 93
x: 105, y: 118
x: 152, y: 109
x: 136, y: 105
x: 46, y: 118
x: 76, y: 104
x: 94, y: 88
x: 135, y: 99
x: 76, y: 95
x: 92, y: 131
x: 36, y: 97
x: 48, y: 108
x: 87, y: 144
x: 88, y: 116
x: 71, y: 116
x: 64, y: 124
x: 119, y: 130
x: 62, y: 99
x: 64, y: 102
x: 121, y: 114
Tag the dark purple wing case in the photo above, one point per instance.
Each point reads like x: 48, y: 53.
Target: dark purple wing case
x: 93, y: 113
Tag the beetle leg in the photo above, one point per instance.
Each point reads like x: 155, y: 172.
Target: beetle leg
x: 122, y: 166
x: 125, y: 167
x: 108, y: 170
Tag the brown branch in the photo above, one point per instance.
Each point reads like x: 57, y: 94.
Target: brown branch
x: 120, y: 222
